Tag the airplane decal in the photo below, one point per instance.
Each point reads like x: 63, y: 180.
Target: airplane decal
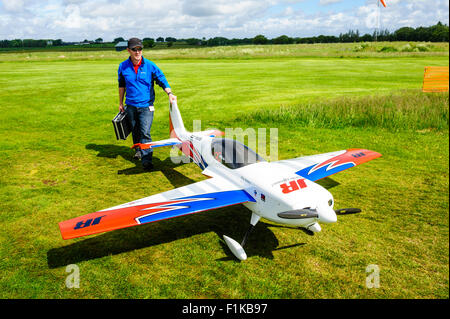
x: 194, y: 204
x: 189, y: 150
x: 316, y: 172
x: 133, y: 213
x: 348, y: 159
x: 293, y: 186
x: 88, y: 222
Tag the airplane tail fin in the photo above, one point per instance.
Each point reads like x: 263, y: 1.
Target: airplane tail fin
x: 177, y: 129
x: 176, y: 122
x: 178, y: 132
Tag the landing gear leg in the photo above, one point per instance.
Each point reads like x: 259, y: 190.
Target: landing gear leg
x: 253, y: 221
x: 236, y: 249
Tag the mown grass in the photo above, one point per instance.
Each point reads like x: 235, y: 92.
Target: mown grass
x: 59, y: 159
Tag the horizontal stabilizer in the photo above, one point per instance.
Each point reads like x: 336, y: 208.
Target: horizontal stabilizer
x: 212, y: 133
x: 167, y: 142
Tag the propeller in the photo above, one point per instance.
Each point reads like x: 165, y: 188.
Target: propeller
x: 299, y: 214
x: 347, y: 211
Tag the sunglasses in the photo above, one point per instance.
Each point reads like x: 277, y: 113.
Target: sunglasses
x: 136, y: 49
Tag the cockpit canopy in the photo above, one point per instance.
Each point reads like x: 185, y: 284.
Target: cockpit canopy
x: 233, y: 154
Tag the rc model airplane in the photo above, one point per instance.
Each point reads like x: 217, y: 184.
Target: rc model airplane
x: 282, y: 191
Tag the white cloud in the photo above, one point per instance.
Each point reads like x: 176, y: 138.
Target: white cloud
x: 199, y: 9
x: 13, y: 6
x: 74, y: 20
x: 325, y: 2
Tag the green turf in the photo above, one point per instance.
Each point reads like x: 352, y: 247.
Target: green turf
x: 59, y: 160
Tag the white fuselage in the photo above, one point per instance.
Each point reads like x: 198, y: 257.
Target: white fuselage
x: 274, y: 188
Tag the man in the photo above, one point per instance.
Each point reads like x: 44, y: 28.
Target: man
x: 136, y: 78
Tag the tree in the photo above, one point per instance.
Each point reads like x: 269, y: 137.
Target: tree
x: 170, y: 39
x: 193, y: 41
x: 117, y: 40
x: 423, y: 34
x: 260, y: 39
x: 439, y: 32
x: 284, y: 39
x: 148, y: 43
x: 160, y: 39
x: 99, y: 40
x: 16, y: 43
x: 366, y: 38
x: 404, y: 34
x: 216, y: 41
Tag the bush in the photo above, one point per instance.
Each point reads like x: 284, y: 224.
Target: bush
x: 414, y: 48
x: 361, y: 47
x: 407, y: 48
x: 423, y: 47
x: 388, y: 49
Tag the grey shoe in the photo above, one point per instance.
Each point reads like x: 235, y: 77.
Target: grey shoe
x: 137, y: 155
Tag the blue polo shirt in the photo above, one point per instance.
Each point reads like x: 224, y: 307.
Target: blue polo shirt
x: 140, y: 91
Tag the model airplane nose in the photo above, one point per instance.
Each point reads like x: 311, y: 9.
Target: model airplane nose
x: 326, y: 214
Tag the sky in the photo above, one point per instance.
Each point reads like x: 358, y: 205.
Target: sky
x: 77, y: 20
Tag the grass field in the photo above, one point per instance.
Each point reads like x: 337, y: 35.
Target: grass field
x: 244, y: 52
x: 60, y: 159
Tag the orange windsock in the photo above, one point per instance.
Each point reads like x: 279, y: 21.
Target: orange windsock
x: 383, y: 3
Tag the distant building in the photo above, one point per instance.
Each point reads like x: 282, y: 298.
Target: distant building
x: 121, y: 46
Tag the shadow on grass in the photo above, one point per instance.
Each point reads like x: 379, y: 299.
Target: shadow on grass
x: 112, y: 151
x: 231, y: 221
x: 166, y: 166
x: 327, y: 183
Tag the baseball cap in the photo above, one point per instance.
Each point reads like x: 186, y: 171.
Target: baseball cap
x: 134, y: 42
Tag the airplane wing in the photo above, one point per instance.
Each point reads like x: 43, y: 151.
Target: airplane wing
x: 319, y: 166
x: 212, y: 193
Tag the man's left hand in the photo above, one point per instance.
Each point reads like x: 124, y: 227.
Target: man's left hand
x: 172, y: 98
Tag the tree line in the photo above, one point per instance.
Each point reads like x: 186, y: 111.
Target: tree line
x: 435, y: 33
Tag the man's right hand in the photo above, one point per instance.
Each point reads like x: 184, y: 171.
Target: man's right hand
x: 121, y: 108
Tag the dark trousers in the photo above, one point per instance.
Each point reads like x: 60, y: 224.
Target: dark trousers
x: 141, y: 119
